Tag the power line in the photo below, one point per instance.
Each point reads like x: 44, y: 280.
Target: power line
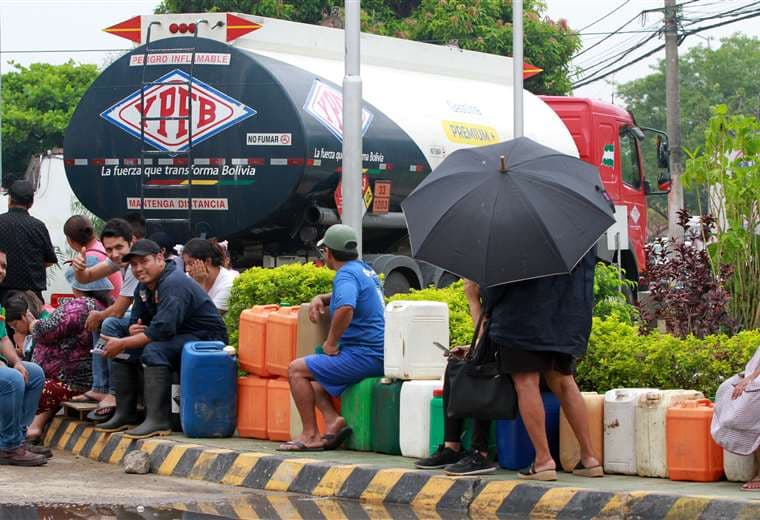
x: 604, y: 17
x: 584, y: 51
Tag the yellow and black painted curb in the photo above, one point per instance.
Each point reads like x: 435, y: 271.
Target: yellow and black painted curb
x: 422, y: 490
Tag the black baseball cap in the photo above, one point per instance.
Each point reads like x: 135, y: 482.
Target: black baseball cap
x: 22, y: 191
x: 142, y: 247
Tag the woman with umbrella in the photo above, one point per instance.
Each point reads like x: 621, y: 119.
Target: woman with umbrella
x: 521, y: 220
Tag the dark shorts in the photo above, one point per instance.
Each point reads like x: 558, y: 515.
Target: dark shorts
x: 514, y: 361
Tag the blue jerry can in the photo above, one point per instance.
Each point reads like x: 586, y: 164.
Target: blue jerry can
x: 515, y: 451
x: 208, y: 404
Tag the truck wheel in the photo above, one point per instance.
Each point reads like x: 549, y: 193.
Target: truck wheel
x: 447, y: 279
x: 396, y: 282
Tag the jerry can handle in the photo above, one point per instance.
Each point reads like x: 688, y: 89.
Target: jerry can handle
x: 705, y: 402
x: 208, y: 347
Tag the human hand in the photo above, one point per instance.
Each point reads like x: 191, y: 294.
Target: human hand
x: 79, y: 262
x: 137, y: 328
x: 740, y: 388
x: 198, y: 270
x: 316, y: 309
x: 22, y: 370
x: 18, y: 343
x: 457, y: 352
x: 330, y: 349
x: 94, y: 319
x: 113, y: 346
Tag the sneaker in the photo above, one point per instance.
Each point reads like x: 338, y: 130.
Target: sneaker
x: 440, y: 459
x: 21, y: 457
x: 472, y: 464
x: 39, y: 449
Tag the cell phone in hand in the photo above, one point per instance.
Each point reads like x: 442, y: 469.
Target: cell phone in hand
x: 442, y: 347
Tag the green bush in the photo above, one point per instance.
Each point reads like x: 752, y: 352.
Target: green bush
x: 609, y: 298
x: 460, y: 322
x: 618, y: 356
x: 292, y: 284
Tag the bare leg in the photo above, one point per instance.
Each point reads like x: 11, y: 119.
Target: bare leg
x: 533, y: 416
x: 300, y: 379
x: 34, y: 431
x: 333, y: 420
x: 566, y: 390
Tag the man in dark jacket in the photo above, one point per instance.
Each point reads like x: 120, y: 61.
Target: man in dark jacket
x: 169, y: 310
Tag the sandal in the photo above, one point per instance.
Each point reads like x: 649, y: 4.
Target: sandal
x: 298, y: 446
x: 752, y: 485
x: 101, y: 414
x: 85, y: 398
x: 545, y: 475
x: 333, y: 442
x: 593, y: 472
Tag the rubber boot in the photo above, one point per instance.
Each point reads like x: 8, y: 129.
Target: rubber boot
x: 125, y: 380
x: 158, y: 404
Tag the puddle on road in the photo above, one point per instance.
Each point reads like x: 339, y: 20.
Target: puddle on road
x: 257, y: 506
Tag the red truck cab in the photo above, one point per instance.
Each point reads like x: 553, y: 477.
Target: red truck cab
x: 607, y: 137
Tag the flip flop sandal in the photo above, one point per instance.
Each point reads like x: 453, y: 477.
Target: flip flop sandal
x: 333, y: 442
x: 752, y: 485
x: 545, y: 475
x: 84, y: 398
x: 593, y: 472
x: 298, y: 446
x: 101, y: 414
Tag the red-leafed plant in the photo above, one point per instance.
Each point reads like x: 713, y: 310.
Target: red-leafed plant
x: 685, y: 291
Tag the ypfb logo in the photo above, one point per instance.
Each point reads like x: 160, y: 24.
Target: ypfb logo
x: 167, y: 105
x: 325, y: 103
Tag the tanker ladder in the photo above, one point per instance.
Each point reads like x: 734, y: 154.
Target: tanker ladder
x: 180, y: 229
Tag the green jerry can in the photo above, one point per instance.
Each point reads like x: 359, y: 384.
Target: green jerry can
x: 436, y: 427
x: 386, y: 403
x: 356, y: 409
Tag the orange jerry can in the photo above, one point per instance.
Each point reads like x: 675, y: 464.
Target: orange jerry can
x: 692, y: 453
x: 252, y: 407
x: 278, y: 409
x: 281, y: 339
x: 253, y: 337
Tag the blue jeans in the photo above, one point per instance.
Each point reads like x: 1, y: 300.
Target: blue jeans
x: 18, y: 403
x: 101, y: 367
x: 161, y: 353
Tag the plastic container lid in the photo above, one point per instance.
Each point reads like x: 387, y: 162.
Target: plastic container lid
x: 438, y: 392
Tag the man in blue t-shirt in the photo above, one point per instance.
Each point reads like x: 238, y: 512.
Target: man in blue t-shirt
x: 354, y: 347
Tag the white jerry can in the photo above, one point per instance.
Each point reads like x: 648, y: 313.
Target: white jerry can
x: 651, y: 434
x: 414, y: 415
x: 619, y: 430
x: 739, y: 468
x: 412, y: 328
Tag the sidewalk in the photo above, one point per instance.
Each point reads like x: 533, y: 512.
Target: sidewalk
x: 375, y: 478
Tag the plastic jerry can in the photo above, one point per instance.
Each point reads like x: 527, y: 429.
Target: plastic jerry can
x: 739, y: 468
x: 414, y: 416
x: 411, y: 330
x: 386, y: 402
x: 513, y: 444
x: 253, y: 339
x: 569, y: 448
x: 356, y: 409
x: 278, y: 409
x: 252, y: 407
x: 296, y: 426
x: 208, y: 405
x: 619, y: 429
x: 651, y: 440
x: 281, y: 340
x: 692, y: 452
x: 309, y: 335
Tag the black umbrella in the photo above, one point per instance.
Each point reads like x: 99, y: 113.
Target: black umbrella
x: 507, y: 212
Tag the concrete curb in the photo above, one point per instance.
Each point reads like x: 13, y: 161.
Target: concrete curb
x: 422, y: 490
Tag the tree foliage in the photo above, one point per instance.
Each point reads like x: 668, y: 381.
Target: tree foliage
x: 37, y: 104
x: 479, y: 25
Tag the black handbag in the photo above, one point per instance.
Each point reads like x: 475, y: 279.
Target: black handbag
x: 476, y: 389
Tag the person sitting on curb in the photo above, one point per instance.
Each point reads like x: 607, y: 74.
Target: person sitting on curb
x: 203, y: 262
x: 20, y: 389
x: 117, y: 237
x: 354, y: 347
x: 62, y: 344
x: 170, y: 309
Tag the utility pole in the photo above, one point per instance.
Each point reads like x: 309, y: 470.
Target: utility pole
x: 351, y: 182
x: 673, y: 107
x: 517, y: 62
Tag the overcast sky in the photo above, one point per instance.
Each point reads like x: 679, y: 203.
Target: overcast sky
x: 71, y: 27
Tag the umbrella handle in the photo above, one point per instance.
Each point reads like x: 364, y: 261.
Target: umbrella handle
x: 503, y: 162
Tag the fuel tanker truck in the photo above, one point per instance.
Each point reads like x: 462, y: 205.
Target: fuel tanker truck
x: 228, y: 125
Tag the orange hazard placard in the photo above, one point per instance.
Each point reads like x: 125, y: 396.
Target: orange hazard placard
x: 366, y: 195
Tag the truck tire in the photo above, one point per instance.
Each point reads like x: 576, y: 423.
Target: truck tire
x: 447, y: 279
x: 396, y: 282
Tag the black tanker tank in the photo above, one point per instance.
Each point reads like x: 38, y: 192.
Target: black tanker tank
x: 266, y: 142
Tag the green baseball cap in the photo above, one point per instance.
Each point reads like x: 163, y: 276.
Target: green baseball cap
x: 339, y: 237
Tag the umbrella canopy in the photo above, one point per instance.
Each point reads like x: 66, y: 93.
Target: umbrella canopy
x: 534, y: 213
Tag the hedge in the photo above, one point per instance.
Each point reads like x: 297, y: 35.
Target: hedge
x: 618, y: 357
